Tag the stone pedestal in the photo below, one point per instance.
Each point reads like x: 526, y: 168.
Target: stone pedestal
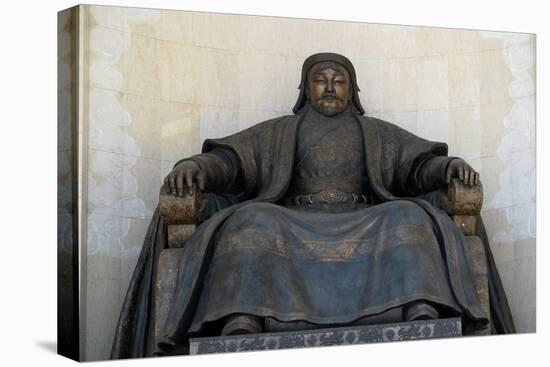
x: 415, y: 330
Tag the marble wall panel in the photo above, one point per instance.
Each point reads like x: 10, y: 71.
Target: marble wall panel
x: 269, y: 36
x: 175, y: 26
x: 505, y: 249
x: 434, y: 124
x: 408, y: 120
x: 264, y: 82
x: 114, y: 52
x: 217, y: 122
x: 401, y: 85
x: 510, y: 210
x: 521, y: 60
x: 372, y: 77
x: 107, y: 118
x: 177, y: 73
x: 149, y: 76
x: 163, y: 81
x: 492, y: 129
x: 218, y: 78
x: 147, y: 174
x: 490, y: 170
x: 432, y: 41
x: 218, y: 31
x: 103, y: 267
x: 106, y: 45
x: 398, y: 41
x: 463, y: 79
x: 495, y: 76
x: 167, y: 25
x: 464, y: 138
x: 122, y: 19
x: 250, y: 117
x: 111, y: 187
x: 311, y: 36
x: 520, y: 134
x: 517, y: 178
x: 519, y: 280
x: 140, y: 126
x: 180, y: 132
x: 432, y: 82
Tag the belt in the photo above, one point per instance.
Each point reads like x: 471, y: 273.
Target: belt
x: 331, y: 196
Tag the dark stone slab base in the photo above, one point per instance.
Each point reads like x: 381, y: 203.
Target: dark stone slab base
x: 415, y: 330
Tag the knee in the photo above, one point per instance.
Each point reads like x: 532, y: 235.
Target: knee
x: 254, y: 209
x: 254, y: 215
x: 408, y: 211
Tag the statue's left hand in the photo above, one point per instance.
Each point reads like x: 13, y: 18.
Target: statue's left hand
x: 462, y: 170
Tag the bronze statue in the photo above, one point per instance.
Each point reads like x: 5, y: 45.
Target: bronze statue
x: 321, y: 218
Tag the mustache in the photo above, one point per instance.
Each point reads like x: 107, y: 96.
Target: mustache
x: 329, y: 95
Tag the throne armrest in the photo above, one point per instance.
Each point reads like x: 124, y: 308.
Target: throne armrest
x: 181, y: 214
x: 179, y: 209
x: 464, y: 203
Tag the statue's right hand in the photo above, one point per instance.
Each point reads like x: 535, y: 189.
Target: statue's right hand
x: 181, y: 179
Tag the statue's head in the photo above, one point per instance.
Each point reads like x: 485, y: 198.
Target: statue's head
x: 329, y: 85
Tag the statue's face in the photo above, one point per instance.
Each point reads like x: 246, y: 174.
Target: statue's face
x: 328, y: 88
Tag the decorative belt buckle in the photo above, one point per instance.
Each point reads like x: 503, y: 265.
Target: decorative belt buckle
x: 332, y: 196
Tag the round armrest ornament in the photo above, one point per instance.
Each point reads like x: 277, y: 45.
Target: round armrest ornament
x: 464, y: 199
x: 179, y: 209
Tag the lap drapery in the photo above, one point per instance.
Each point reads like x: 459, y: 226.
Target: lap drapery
x: 320, y: 267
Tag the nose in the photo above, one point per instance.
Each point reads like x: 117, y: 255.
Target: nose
x: 329, y: 86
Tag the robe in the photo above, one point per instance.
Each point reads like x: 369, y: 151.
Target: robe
x: 266, y: 152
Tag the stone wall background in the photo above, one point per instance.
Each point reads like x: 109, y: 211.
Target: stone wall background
x: 157, y: 83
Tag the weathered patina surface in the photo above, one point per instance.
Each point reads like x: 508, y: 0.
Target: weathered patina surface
x: 323, y: 218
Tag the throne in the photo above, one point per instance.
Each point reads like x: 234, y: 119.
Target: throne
x: 183, y: 214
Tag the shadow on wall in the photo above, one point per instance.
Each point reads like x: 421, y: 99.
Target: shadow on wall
x: 48, y: 345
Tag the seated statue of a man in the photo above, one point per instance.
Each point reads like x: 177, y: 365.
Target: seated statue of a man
x: 325, y: 228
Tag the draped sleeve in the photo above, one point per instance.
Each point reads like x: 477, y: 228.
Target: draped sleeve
x: 401, y: 153
x: 255, y: 149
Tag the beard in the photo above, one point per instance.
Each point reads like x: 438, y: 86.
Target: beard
x: 329, y: 109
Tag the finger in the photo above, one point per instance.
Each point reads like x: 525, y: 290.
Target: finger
x: 449, y: 176
x: 466, y: 177
x: 179, y: 184
x: 472, y: 177
x: 172, y: 184
x: 189, y: 181
x: 201, y: 181
x: 461, y: 173
x: 476, y: 181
